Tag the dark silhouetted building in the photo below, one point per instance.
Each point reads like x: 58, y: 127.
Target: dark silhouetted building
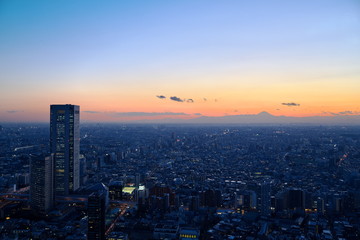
x: 64, y: 144
x: 207, y: 198
x: 295, y: 199
x: 194, y: 203
x: 96, y: 216
x: 266, y: 198
x: 218, y: 197
x: 41, y: 184
x: 137, y: 180
x: 82, y: 172
x: 115, y: 190
x: 160, y: 191
x: 290, y: 199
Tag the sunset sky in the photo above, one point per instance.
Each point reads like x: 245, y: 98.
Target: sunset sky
x: 128, y: 60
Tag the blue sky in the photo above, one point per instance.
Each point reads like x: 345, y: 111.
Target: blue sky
x: 123, y: 51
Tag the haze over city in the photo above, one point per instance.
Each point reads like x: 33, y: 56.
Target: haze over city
x: 125, y: 61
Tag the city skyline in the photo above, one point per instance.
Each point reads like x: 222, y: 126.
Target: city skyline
x: 222, y: 181
x: 126, y: 61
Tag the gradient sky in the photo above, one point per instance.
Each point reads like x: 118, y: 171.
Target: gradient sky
x: 230, y: 57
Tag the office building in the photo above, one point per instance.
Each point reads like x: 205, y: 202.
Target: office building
x: 115, y: 190
x: 186, y: 233
x: 96, y: 216
x: 295, y: 199
x: 64, y: 144
x: 265, y: 198
x: 41, y: 184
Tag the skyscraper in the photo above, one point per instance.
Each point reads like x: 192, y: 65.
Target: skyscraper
x: 41, y: 184
x: 295, y: 198
x: 64, y: 144
x: 266, y: 198
x: 96, y: 216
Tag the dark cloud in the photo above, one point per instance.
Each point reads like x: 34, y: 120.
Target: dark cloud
x: 90, y: 112
x: 348, y: 112
x: 176, y: 99
x: 14, y: 111
x: 291, y: 104
x: 205, y: 99
x: 148, y: 114
x: 190, y: 100
x: 343, y: 113
x: 161, y: 96
x: 198, y: 114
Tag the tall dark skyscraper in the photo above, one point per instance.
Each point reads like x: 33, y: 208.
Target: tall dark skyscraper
x: 41, y: 184
x: 266, y: 198
x: 65, y: 145
x: 96, y: 216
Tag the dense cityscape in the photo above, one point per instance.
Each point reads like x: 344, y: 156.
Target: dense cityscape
x: 163, y: 181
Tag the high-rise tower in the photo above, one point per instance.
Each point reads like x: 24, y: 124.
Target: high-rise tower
x: 266, y: 198
x: 65, y: 145
x: 41, y: 184
x: 96, y: 216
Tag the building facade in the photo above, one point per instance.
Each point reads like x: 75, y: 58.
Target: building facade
x: 96, y: 216
x: 65, y: 145
x: 41, y: 184
x: 266, y: 198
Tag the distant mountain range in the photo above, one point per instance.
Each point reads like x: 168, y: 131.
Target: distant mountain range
x: 263, y: 118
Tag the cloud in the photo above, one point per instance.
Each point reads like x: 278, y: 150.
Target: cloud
x: 291, y: 104
x: 14, y: 111
x: 176, y: 99
x: 190, y: 100
x: 216, y: 100
x: 323, y: 112
x: 343, y: 113
x: 204, y: 99
x: 349, y: 112
x: 149, y: 114
x: 90, y: 112
x: 161, y: 96
x: 198, y: 114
